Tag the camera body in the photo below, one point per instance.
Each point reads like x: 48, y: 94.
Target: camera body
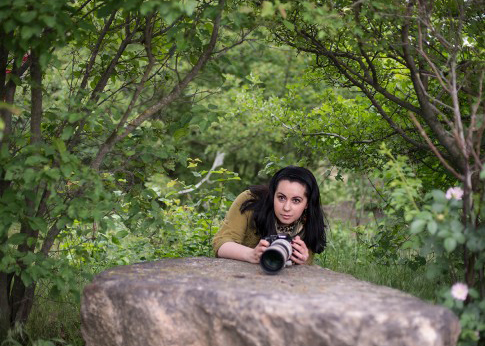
x: 278, y: 253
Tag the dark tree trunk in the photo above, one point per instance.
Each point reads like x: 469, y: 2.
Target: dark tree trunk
x: 16, y: 299
x: 22, y: 299
x: 5, y: 312
x: 36, y: 110
x: 22, y: 295
x: 7, y: 92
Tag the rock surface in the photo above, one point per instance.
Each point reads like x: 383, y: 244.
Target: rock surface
x: 209, y: 301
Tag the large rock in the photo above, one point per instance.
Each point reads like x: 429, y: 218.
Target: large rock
x: 209, y: 301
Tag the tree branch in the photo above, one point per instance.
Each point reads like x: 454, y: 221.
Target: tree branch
x: 433, y: 148
x: 95, y: 51
x: 151, y: 62
x: 95, y: 94
x: 176, y: 91
x: 426, y: 110
x: 343, y: 67
x: 109, y: 70
x: 481, y: 129
x: 49, y: 239
x: 81, y: 7
x: 218, y: 161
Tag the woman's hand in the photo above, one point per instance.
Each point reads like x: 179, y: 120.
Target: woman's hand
x: 255, y: 255
x: 300, y: 251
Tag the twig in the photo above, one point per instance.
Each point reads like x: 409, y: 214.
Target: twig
x: 218, y: 161
x: 433, y: 147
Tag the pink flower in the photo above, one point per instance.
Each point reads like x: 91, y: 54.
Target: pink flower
x: 459, y: 291
x: 454, y: 192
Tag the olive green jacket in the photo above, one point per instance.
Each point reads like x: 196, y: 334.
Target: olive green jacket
x: 236, y: 227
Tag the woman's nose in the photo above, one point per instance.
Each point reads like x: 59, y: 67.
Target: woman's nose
x: 286, y: 206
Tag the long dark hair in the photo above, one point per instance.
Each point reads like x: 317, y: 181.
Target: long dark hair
x: 262, y: 205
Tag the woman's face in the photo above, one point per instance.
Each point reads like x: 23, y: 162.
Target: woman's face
x: 290, y: 201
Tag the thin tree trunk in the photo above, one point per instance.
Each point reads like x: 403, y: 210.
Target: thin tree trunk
x: 36, y: 108
x: 25, y: 305
x: 20, y: 297
x: 4, y: 305
x: 7, y: 92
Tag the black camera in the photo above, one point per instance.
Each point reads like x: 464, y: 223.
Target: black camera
x: 278, y: 253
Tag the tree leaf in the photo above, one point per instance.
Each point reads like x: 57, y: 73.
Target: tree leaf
x: 289, y: 25
x: 432, y: 227
x: 26, y: 278
x: 417, y: 226
x: 16, y: 238
x: 34, y: 160
x: 450, y: 244
x: 28, y: 31
x: 439, y: 196
x: 267, y: 9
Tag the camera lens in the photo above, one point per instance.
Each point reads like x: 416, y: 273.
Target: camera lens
x: 275, y: 256
x: 272, y: 261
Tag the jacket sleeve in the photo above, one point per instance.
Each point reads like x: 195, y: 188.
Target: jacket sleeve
x: 311, y: 256
x: 235, y: 224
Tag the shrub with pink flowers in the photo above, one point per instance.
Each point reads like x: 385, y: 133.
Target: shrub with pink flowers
x: 438, y: 233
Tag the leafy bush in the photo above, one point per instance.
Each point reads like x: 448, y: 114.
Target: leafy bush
x: 439, y: 234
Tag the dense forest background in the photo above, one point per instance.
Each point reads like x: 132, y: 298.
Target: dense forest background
x: 128, y: 127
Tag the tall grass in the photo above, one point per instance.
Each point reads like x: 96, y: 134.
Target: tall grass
x: 51, y: 319
x: 349, y: 251
x: 51, y: 323
x: 54, y: 319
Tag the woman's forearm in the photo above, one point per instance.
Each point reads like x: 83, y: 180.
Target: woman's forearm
x: 235, y: 251
x: 240, y: 252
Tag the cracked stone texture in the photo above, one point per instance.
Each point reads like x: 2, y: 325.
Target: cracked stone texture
x: 211, y: 301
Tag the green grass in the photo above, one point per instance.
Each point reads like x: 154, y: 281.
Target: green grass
x: 348, y: 253
x: 51, y: 323
x: 52, y: 319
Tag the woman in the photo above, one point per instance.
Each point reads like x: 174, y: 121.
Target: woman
x: 289, y: 205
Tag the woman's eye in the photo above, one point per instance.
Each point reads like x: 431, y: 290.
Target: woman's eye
x: 281, y: 198
x: 296, y: 201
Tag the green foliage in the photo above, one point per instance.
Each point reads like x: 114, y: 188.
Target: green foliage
x: 416, y: 246
x: 178, y: 225
x: 189, y: 228
x: 37, y: 25
x: 171, y: 228
x: 31, y: 167
x: 405, y: 188
x: 95, y: 100
x: 472, y: 315
x: 443, y: 235
x: 107, y: 182
x: 348, y: 252
x: 239, y: 122
x: 57, y: 320
x: 437, y: 234
x: 18, y: 336
x: 362, y: 48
